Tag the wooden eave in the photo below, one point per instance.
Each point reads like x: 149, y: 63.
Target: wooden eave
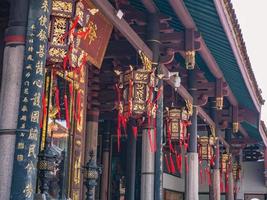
x: 232, y: 29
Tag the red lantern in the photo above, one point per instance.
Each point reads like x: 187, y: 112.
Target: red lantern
x: 206, y: 153
x: 225, y: 157
x: 135, y: 96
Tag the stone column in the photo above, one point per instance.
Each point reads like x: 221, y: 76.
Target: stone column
x: 192, y: 155
x: 148, y: 167
x: 105, y: 161
x: 215, y: 194
x: 10, y: 90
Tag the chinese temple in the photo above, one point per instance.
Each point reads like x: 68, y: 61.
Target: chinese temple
x: 128, y: 100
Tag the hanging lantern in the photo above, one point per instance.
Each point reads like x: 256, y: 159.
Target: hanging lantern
x: 236, y: 171
x: 206, y: 147
x: 135, y: 94
x: 137, y: 91
x: 235, y: 127
x: 224, y: 162
x: 177, y: 120
x: 190, y: 60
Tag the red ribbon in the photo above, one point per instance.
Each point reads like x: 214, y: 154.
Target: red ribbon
x: 186, y: 165
x: 169, y: 135
x: 135, y: 131
x: 57, y: 102
x: 179, y: 162
x: 208, y: 176
x: 75, y: 23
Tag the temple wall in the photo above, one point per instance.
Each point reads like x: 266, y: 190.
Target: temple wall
x: 252, y: 181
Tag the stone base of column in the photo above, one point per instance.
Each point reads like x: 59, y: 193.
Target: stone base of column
x: 147, y: 169
x: 216, y: 184
x: 192, y: 177
x: 230, y: 193
x: 105, y: 176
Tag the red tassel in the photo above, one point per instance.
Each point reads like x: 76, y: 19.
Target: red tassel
x: 208, y: 176
x: 67, y: 111
x: 172, y: 164
x: 179, y: 162
x: 134, y: 129
x: 150, y: 140
x: 57, y: 102
x: 200, y: 173
x: 186, y: 164
x: 119, y: 118
x: 155, y: 135
x: 75, y: 22
x: 72, y: 99
x: 169, y: 137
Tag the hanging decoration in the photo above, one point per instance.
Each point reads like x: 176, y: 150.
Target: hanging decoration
x: 224, y: 162
x: 206, y: 153
x: 236, y: 171
x: 190, y: 60
x: 176, y: 123
x: 135, y: 97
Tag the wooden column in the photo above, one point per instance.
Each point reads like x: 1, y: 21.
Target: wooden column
x: 149, y: 167
x: 192, y: 155
x: 230, y: 183
x: 131, y: 165
x: 105, y: 161
x: 154, y: 44
x: 215, y: 193
x: 92, y: 113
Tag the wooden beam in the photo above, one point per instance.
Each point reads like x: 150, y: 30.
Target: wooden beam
x: 107, y: 9
x: 150, y: 6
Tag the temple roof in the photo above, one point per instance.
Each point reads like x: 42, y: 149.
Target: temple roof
x: 219, y: 28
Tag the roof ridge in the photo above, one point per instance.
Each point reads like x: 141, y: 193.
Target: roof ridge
x: 242, y: 46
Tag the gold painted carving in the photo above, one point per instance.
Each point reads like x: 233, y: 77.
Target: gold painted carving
x: 59, y: 31
x: 61, y: 6
x: 77, y: 174
x: 147, y: 64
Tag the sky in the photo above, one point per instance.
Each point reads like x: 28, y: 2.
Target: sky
x: 252, y: 17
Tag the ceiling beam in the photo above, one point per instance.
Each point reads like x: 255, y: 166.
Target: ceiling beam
x: 187, y: 21
x: 150, y: 6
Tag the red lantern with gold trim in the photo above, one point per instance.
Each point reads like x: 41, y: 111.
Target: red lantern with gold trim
x: 135, y: 95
